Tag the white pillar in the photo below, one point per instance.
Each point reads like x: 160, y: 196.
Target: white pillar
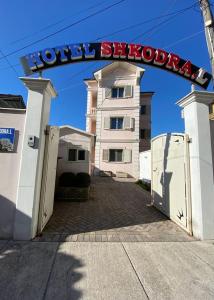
x: 40, y: 92
x: 89, y: 106
x: 197, y: 125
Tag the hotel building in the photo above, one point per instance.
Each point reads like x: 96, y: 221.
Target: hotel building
x: 119, y: 115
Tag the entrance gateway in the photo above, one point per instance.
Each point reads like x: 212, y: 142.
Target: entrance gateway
x: 195, y: 110
x: 66, y: 54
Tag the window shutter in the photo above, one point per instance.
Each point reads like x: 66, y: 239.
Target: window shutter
x: 132, y: 121
x: 107, y: 93
x: 126, y: 123
x: 127, y: 155
x: 87, y: 156
x: 128, y: 91
x: 106, y: 123
x: 105, y: 155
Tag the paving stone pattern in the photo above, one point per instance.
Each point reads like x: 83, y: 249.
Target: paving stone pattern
x: 117, y: 211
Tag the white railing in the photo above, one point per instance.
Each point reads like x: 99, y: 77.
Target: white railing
x: 93, y: 111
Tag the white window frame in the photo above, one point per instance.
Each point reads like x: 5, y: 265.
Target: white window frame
x: 125, y: 96
x: 128, y: 123
x: 77, y: 155
x: 116, y: 161
x: 117, y: 117
x: 118, y: 88
x: 126, y: 156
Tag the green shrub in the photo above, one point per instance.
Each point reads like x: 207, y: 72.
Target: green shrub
x: 83, y: 180
x: 67, y: 179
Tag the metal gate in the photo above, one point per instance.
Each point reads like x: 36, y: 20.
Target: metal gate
x: 48, y: 176
x: 171, y: 178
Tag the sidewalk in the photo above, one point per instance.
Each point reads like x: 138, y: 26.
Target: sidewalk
x: 106, y: 271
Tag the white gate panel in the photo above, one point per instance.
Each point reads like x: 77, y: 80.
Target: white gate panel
x: 48, y: 177
x: 145, y: 166
x: 170, y: 178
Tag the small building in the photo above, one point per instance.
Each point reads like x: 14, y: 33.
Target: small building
x: 119, y: 115
x: 74, y: 153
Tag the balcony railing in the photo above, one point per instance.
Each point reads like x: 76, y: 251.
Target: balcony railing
x: 93, y: 111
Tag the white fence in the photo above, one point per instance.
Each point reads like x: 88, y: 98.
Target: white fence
x: 145, y: 166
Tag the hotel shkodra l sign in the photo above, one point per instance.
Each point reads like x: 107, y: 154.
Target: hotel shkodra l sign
x: 66, y: 54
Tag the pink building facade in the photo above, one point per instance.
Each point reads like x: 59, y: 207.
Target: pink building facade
x: 120, y: 117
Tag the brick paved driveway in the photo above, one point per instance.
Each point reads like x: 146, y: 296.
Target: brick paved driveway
x: 118, y: 210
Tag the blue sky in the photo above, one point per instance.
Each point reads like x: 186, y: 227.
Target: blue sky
x: 23, y: 22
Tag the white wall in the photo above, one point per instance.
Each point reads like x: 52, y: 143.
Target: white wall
x: 118, y: 76
x: 170, y: 178
x: 40, y: 92
x: 10, y: 166
x: 212, y: 140
x: 145, y: 166
x: 74, y: 141
x: 114, y: 167
x: 195, y: 107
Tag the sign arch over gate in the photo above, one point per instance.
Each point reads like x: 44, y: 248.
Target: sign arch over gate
x: 71, y: 53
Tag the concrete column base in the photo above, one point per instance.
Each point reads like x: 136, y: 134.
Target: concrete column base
x: 197, y: 125
x: 40, y: 92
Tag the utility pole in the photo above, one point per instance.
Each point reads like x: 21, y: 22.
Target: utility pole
x: 209, y: 29
x: 209, y: 33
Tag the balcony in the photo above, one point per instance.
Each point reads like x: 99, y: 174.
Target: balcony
x: 92, y: 113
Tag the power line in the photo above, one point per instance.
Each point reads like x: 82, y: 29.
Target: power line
x: 184, y: 39
x: 68, y: 87
x: 57, y: 23
x: 173, y: 14
x: 158, y: 28
x: 64, y: 28
x: 5, y: 68
x: 150, y: 30
x: 145, y: 22
x: 165, y: 21
x: 165, y: 47
x: 78, y: 73
x: 8, y: 62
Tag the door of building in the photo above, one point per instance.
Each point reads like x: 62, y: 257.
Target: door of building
x: 171, y: 179
x: 48, y: 177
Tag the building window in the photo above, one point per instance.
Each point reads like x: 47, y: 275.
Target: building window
x: 145, y: 134
x: 116, y: 123
x: 72, y: 154
x: 118, y: 92
x: 81, y: 155
x: 76, y: 155
x: 116, y: 155
x: 143, y: 109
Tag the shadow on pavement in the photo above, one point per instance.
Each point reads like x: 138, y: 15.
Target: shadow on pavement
x: 31, y: 270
